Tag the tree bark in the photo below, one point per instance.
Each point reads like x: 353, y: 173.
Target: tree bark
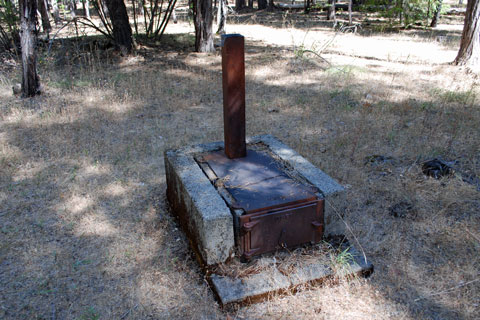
x: 350, y: 12
x: 250, y: 4
x: 42, y: 7
x: 470, y: 44
x: 122, y: 32
x: 262, y: 4
x: 331, y: 10
x: 72, y: 7
x: 174, y: 15
x: 28, y: 40
x: 203, y: 20
x: 307, y: 4
x: 86, y: 8
x: 436, y: 14
x: 271, y: 4
x: 221, y: 16
x: 239, y: 4
x: 55, y: 12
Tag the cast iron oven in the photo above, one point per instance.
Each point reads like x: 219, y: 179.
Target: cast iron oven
x: 271, y: 208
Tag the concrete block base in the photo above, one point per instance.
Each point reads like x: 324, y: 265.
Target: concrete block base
x: 208, y: 223
x: 205, y: 217
x: 284, y: 271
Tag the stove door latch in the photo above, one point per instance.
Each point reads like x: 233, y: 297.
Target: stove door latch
x: 318, y: 226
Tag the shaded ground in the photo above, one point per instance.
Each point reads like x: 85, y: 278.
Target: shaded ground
x: 85, y: 230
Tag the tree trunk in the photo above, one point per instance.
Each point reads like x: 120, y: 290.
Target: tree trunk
x: 122, y: 32
x: 271, y: 5
x: 399, y: 8
x: 250, y: 4
x: 190, y: 14
x: 470, y: 45
x: 55, y: 12
x: 221, y: 16
x: 42, y: 7
x: 239, y: 4
x: 203, y: 20
x: 28, y: 39
x: 262, y: 4
x: 105, y: 7
x: 86, y: 8
x: 436, y: 14
x: 71, y: 6
x: 350, y: 12
x: 307, y: 4
x: 331, y: 10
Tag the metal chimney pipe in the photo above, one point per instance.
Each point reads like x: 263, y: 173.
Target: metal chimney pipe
x: 233, y: 78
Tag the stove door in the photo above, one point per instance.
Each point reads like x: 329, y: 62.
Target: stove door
x: 285, y: 227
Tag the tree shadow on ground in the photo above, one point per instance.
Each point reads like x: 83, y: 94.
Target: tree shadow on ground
x: 95, y: 231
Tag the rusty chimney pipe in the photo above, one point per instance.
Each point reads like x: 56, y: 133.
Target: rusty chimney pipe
x: 233, y: 78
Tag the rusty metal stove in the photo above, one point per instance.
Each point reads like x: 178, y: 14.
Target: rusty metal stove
x: 272, y: 209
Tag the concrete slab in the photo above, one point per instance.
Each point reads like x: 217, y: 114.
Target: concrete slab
x: 205, y: 217
x: 275, y: 274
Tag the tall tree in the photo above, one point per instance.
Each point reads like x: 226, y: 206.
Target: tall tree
x: 86, y: 8
x: 307, y: 5
x: 72, y: 6
x: 55, y: 12
x: 43, y: 9
x: 28, y: 40
x: 350, y: 12
x: 331, y: 10
x: 221, y: 16
x: 203, y: 20
x: 436, y: 13
x: 239, y: 4
x: 469, y: 53
x: 262, y: 4
x: 122, y: 32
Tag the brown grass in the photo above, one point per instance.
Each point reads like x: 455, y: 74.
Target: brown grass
x: 85, y: 229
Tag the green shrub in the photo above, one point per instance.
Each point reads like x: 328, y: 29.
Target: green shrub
x: 405, y: 12
x: 9, y: 26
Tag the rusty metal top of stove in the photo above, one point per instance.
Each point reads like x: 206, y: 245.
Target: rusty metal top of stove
x: 256, y: 182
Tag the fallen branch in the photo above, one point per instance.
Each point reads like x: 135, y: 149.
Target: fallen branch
x: 82, y: 20
x: 87, y: 22
x: 316, y: 54
x: 55, y: 35
x: 456, y: 10
x: 128, y: 312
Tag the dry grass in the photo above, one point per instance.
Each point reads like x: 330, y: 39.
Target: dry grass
x: 85, y: 230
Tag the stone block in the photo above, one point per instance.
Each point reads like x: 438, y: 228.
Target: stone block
x: 205, y: 217
x: 203, y: 214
